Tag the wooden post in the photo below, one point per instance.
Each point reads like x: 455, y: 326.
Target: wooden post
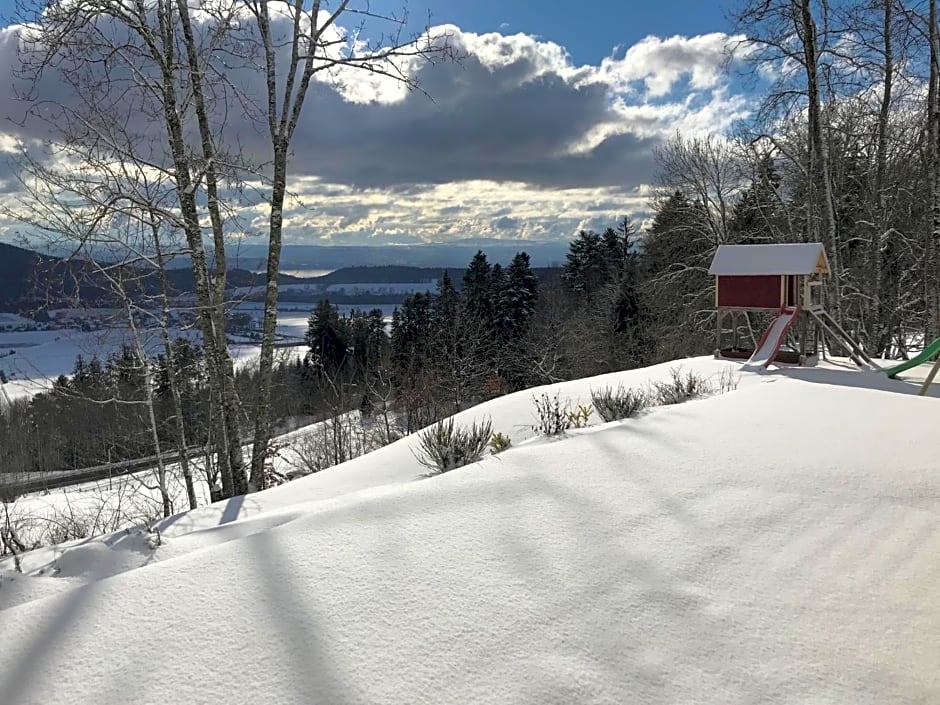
x: 721, y: 320
x: 930, y: 378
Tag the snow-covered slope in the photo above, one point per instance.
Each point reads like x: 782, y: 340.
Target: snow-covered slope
x: 779, y: 543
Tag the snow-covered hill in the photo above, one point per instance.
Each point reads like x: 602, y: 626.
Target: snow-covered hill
x: 779, y: 543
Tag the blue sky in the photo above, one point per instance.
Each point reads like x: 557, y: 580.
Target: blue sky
x: 589, y: 29
x: 549, y: 123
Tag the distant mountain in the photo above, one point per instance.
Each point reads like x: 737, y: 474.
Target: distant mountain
x: 30, y: 277
x: 31, y: 281
x: 456, y: 254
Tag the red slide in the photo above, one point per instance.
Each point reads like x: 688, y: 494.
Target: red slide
x: 772, y: 339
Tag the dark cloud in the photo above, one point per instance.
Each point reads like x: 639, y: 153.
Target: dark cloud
x: 513, y: 110
x: 515, y: 120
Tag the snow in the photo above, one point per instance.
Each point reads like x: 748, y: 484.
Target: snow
x: 778, y: 543
x: 11, y: 320
x: 32, y: 360
x: 384, y: 288
x: 757, y: 260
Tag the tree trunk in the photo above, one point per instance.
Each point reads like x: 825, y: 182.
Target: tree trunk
x: 819, y: 172
x: 266, y: 361
x: 172, y: 381
x: 144, y: 362
x: 882, y: 253
x: 229, y: 396
x: 931, y: 293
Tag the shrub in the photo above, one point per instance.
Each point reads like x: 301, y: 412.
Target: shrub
x: 446, y: 446
x: 620, y: 403
x: 581, y: 415
x: 680, y: 388
x: 728, y: 381
x: 499, y: 443
x: 552, y: 417
x: 327, y: 443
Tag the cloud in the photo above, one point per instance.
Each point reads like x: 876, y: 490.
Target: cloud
x: 514, y: 129
x: 661, y: 63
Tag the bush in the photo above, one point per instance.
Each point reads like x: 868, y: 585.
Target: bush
x: 499, y: 443
x: 728, y: 381
x: 553, y: 417
x: 446, y: 446
x: 581, y: 415
x: 620, y: 403
x: 680, y: 388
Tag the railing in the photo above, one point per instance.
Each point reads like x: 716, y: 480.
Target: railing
x: 18, y: 483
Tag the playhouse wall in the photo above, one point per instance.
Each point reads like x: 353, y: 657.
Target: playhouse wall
x: 749, y: 291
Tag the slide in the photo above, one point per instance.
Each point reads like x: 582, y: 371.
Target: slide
x: 772, y: 339
x: 929, y: 352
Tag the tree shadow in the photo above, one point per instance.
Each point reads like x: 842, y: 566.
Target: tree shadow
x: 316, y: 678
x: 233, y: 508
x: 596, y: 608
x: 35, y: 660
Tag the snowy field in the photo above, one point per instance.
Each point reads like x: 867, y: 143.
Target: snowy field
x: 391, y: 288
x: 32, y: 360
x: 779, y: 543
x: 11, y: 320
x: 296, y: 312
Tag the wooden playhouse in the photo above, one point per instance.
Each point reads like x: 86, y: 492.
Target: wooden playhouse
x: 785, y: 281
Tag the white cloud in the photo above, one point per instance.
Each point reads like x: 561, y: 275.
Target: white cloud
x: 661, y: 63
x: 518, y: 141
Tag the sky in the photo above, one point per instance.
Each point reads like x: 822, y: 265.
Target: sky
x: 589, y: 31
x: 547, y: 124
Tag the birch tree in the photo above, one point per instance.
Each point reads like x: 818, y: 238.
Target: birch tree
x: 162, y: 85
x: 314, y: 45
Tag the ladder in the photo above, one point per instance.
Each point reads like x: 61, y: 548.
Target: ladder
x: 856, y: 352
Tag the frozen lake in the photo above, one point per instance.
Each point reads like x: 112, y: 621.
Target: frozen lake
x: 31, y: 360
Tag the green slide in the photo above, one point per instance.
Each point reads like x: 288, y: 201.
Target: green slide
x: 929, y: 352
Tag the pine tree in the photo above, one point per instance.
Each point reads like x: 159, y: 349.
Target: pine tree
x: 593, y: 260
x: 517, y: 299
x: 477, y: 288
x: 757, y: 215
x: 446, y: 304
x: 411, y: 334
x: 327, y: 337
x: 366, y: 339
x: 677, y: 290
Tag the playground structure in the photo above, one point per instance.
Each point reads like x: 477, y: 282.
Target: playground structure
x: 926, y: 355
x: 788, y: 282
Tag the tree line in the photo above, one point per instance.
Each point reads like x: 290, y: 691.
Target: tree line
x: 495, y: 331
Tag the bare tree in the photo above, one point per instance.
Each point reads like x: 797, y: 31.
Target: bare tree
x: 152, y: 87
x: 710, y: 170
x: 792, y: 40
x: 314, y: 46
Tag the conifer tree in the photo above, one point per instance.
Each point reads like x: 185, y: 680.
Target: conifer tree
x: 327, y: 337
x: 477, y: 288
x: 517, y: 298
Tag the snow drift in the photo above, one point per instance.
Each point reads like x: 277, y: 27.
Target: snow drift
x: 778, y: 544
